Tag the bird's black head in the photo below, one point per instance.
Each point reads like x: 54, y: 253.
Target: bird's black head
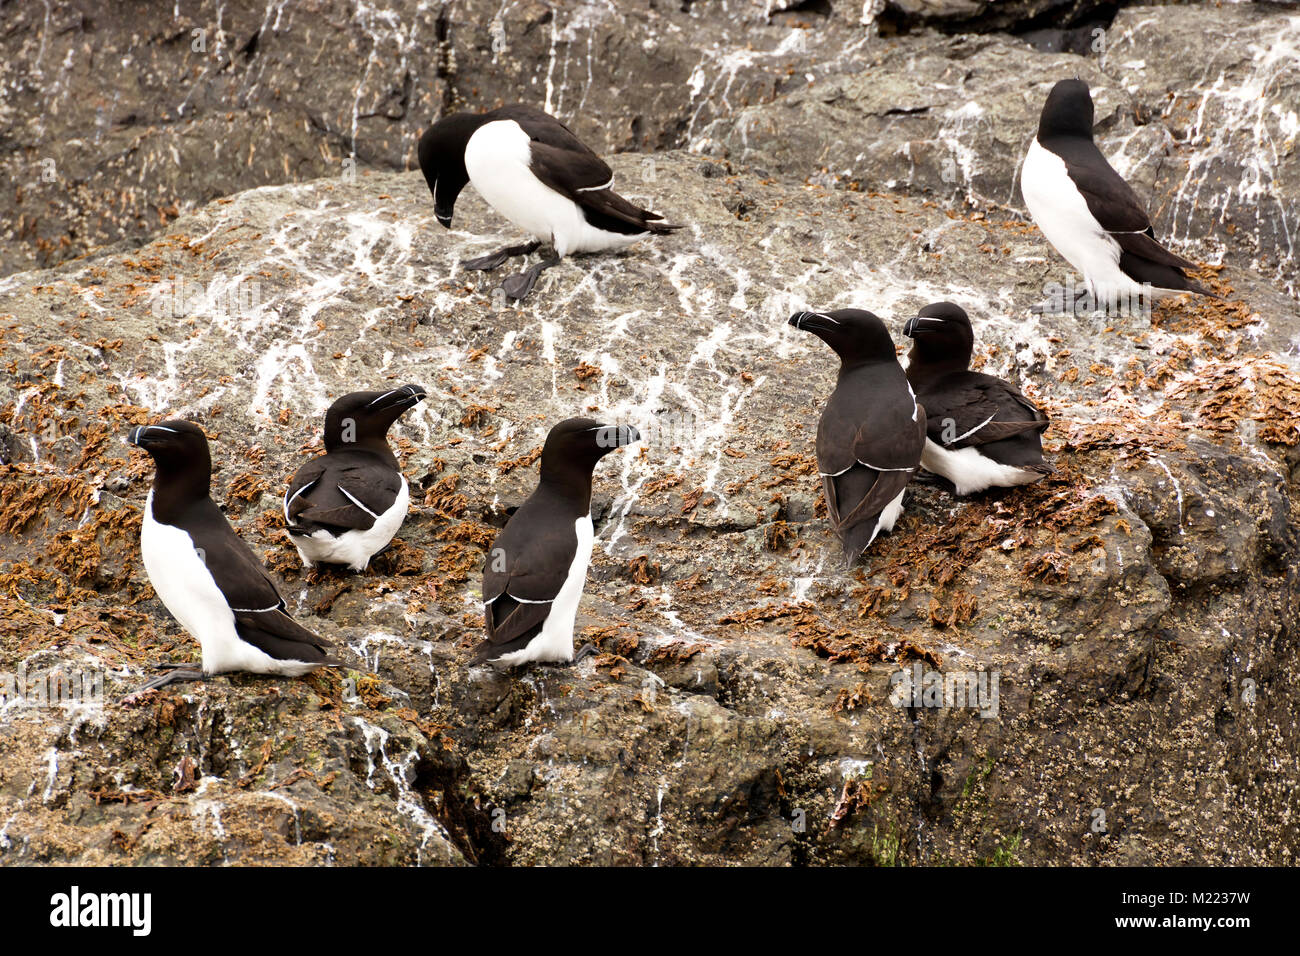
x: 179, y: 450
x: 1068, y: 111
x: 941, y: 333
x: 575, y: 445
x: 362, y: 419
x: 442, y: 160
x: 857, y: 336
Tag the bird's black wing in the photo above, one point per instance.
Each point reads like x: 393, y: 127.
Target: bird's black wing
x: 253, y: 598
x: 564, y: 163
x: 889, y: 479
x: 866, y: 451
x: 522, y: 575
x: 978, y: 409
x: 1110, y: 199
x: 1113, y: 203
x: 339, y: 494
x: 586, y: 180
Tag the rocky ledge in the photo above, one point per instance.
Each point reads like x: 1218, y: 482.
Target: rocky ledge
x: 1137, y: 609
x: 1129, y: 624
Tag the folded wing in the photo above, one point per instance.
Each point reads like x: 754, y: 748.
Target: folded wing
x: 522, y: 576
x: 339, y: 495
x: 1118, y: 210
x: 260, y: 617
x: 567, y: 165
x: 979, y: 410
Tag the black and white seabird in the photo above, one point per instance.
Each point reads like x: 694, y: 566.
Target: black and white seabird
x: 345, y: 506
x: 980, y: 431
x: 1088, y: 212
x: 537, y: 566
x: 531, y: 169
x: 204, y: 573
x: 872, y: 431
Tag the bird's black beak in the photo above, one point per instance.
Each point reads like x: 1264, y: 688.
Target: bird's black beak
x: 815, y: 322
x: 405, y: 397
x: 138, y: 436
x: 415, y: 394
x: 918, y: 323
x: 609, y: 437
x: 443, y: 217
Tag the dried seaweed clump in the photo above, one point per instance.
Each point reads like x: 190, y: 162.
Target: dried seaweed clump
x: 923, y: 553
x: 1256, y: 390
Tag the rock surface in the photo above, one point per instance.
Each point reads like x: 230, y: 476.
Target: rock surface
x: 1137, y: 608
x: 1209, y: 135
x: 117, y: 119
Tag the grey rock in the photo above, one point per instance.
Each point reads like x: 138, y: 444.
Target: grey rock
x: 741, y: 708
x: 1207, y: 140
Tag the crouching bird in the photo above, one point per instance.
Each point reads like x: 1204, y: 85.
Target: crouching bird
x: 872, y: 431
x: 206, y: 576
x: 981, y: 432
x: 531, y: 169
x: 537, y: 566
x: 345, y: 506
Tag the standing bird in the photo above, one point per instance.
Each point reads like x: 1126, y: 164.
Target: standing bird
x: 345, y: 506
x: 531, y: 169
x: 980, y: 431
x: 207, y: 577
x: 871, y: 432
x: 537, y: 565
x: 1088, y: 213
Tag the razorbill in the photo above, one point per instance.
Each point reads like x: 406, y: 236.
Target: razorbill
x: 345, y: 506
x: 207, y: 577
x: 537, y: 566
x: 1088, y: 213
x: 980, y: 431
x: 531, y: 169
x: 871, y: 432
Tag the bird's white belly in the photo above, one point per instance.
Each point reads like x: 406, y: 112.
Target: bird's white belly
x: 1063, y: 217
x: 182, y: 582
x: 354, y: 547
x: 970, y: 471
x: 555, y: 641
x: 888, y: 517
x: 497, y: 160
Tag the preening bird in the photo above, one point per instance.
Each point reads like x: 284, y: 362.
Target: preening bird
x: 531, y: 169
x: 204, y: 573
x: 872, y: 431
x: 980, y: 431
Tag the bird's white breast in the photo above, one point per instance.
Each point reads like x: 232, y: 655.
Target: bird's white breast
x: 497, y: 159
x: 555, y: 641
x: 354, y: 547
x: 970, y: 471
x: 182, y: 581
x: 1062, y: 215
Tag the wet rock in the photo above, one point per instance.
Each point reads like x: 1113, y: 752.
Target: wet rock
x: 1204, y: 142
x: 745, y: 703
x: 194, y: 105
